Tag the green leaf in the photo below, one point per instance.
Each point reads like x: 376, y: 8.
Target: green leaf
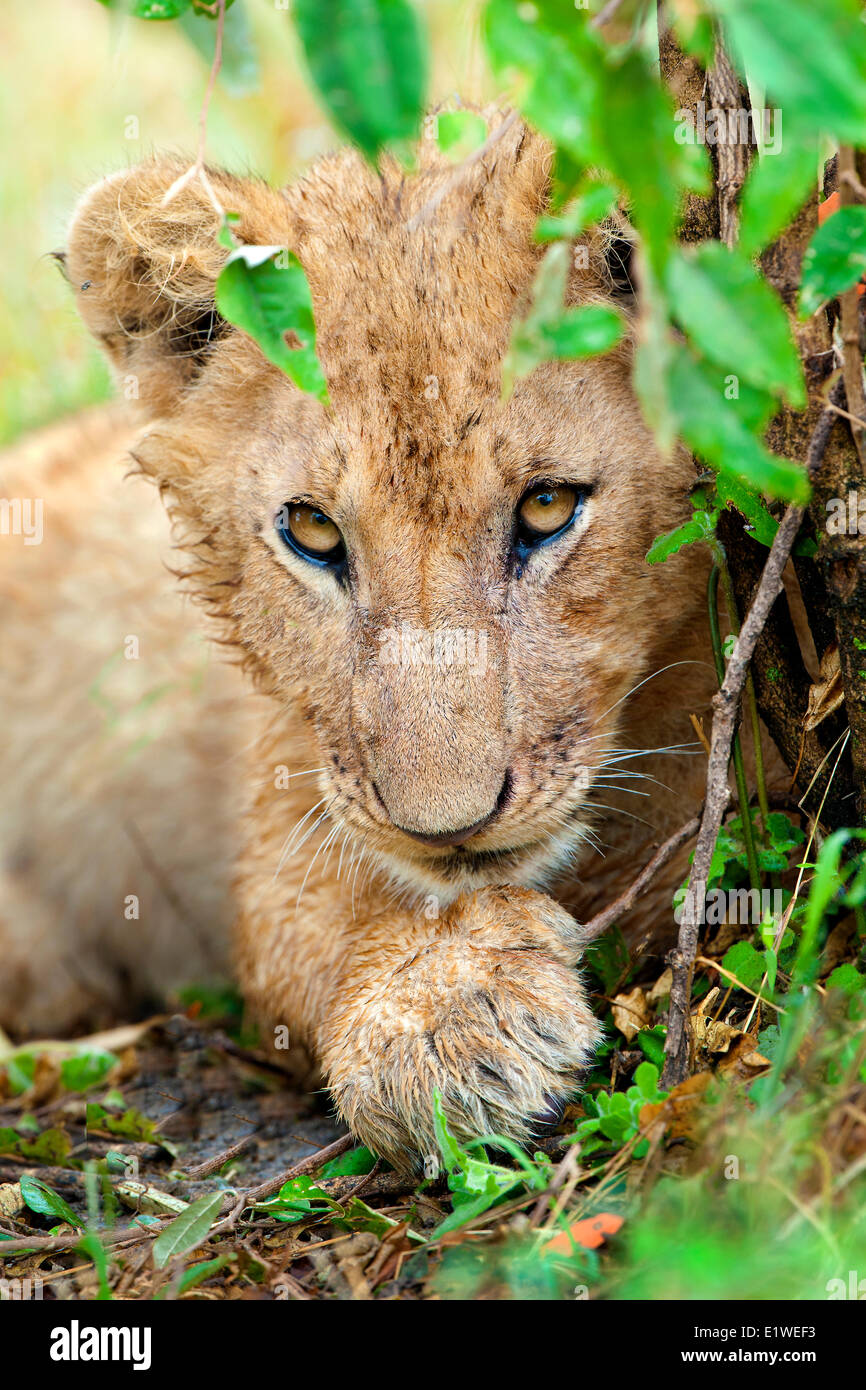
x: 592, y: 205
x: 701, y: 527
x: 92, y: 1246
x: 86, y: 1069
x: 652, y: 367
x: 646, y: 1079
x: 42, y: 1199
x: 694, y: 32
x: 458, y: 133
x: 784, y: 835
x: 746, y: 963
x: 368, y: 59
x: 188, y: 1229
x: 157, y: 9
x: 547, y: 50
x: 548, y: 331
x: 359, y: 1160
x: 637, y: 147
x: 263, y: 290
x: 297, y: 1199
x: 198, y: 1273
x: 475, y: 1184
x: 602, y: 107
x: 586, y: 331
x: 809, y: 55
x: 735, y: 318
x: 846, y: 977
x: 714, y: 428
x: 357, y: 1216
x: 20, y: 1070
x: 51, y: 1147
x: 775, y: 191
x: 733, y: 492
x: 608, y: 958
x: 651, y: 1042
x: 834, y: 260
x: 827, y: 882
x: 130, y: 1124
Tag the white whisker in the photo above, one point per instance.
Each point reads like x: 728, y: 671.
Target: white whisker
x: 328, y: 837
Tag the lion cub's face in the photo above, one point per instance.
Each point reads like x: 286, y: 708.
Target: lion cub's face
x: 450, y: 589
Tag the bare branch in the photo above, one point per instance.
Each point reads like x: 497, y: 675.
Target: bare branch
x: 626, y: 901
x: 678, y: 1046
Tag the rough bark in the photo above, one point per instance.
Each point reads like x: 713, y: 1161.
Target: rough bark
x: 687, y: 81
x: 782, y: 685
x: 834, y: 583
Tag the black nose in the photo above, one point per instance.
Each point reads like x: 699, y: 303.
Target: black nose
x: 457, y: 837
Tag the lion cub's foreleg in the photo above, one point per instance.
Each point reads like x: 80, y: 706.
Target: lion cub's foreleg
x: 483, y: 1005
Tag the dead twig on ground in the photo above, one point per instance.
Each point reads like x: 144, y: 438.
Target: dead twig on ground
x: 212, y: 1165
x: 266, y: 1189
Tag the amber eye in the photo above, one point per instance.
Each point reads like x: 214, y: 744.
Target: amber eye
x: 310, y: 533
x: 545, y: 511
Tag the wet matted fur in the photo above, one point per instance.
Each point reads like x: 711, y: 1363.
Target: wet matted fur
x: 401, y: 967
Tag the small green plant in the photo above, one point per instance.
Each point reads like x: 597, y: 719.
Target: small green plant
x: 475, y: 1183
x: 614, y: 1117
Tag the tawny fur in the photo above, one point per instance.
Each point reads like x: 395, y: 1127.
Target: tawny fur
x: 401, y: 968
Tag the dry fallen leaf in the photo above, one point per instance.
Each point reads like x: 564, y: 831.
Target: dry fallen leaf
x: 110, y: 1040
x: 825, y: 697
x: 827, y: 694
x: 11, y: 1201
x: 631, y: 1013
x: 677, y: 1116
x: 661, y: 987
x: 150, y: 1200
x: 743, y: 1062
x: 46, y: 1083
x: 591, y: 1232
x: 837, y: 947
x: 713, y: 1035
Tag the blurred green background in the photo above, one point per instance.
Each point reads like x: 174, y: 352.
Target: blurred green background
x: 84, y: 91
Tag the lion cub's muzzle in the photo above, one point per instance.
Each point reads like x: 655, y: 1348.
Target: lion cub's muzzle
x: 445, y: 838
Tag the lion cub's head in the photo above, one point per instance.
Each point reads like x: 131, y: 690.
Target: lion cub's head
x: 451, y: 591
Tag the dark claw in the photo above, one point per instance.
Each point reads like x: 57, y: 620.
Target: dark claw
x: 546, y: 1121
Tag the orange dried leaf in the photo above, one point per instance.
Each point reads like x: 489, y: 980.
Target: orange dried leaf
x: 590, y: 1233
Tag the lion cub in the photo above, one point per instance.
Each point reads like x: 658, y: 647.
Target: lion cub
x: 443, y: 601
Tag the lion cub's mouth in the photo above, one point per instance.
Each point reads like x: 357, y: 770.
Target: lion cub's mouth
x: 460, y: 862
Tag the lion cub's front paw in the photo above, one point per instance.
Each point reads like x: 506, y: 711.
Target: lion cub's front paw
x: 487, y: 1008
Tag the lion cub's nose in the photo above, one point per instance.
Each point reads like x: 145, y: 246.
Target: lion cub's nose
x: 456, y: 837
x: 450, y: 837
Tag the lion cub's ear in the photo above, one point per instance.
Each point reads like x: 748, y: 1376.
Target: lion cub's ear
x: 144, y: 270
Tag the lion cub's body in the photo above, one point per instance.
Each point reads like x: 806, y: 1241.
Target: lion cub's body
x: 401, y: 967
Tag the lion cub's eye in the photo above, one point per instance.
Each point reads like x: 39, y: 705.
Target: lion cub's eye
x: 310, y: 533
x: 546, y: 511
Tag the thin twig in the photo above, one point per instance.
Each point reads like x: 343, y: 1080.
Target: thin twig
x: 121, y: 1236
x: 604, y: 16
x: 678, y: 1045
x: 251, y: 1195
x: 211, y: 1165
x: 197, y: 170
x: 849, y: 177
x: 849, y: 313
x: 455, y: 179
x: 624, y: 903
x: 846, y: 415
